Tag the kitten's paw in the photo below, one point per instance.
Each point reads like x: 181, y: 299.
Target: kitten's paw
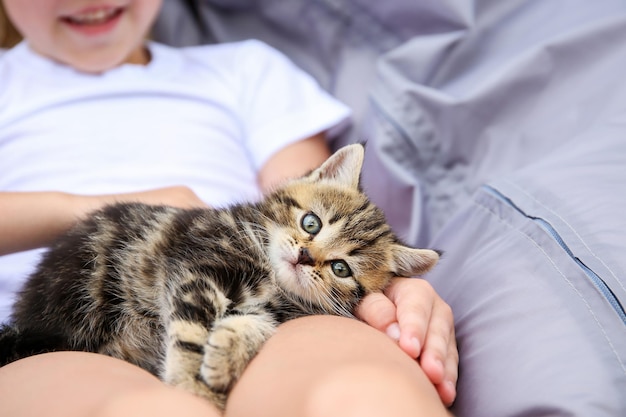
x: 183, y: 360
x: 232, y: 344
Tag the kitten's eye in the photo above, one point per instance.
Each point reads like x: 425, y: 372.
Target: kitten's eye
x: 311, y: 224
x: 341, y: 269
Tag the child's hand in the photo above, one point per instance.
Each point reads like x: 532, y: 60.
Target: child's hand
x: 412, y: 313
x: 177, y: 196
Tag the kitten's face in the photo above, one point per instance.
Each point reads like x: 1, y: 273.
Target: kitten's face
x: 329, y: 245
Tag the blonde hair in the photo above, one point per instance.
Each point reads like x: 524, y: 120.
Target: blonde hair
x: 9, y: 36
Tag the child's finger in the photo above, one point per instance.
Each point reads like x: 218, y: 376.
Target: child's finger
x: 414, y: 299
x: 379, y: 312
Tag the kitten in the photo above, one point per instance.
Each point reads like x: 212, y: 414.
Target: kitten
x: 192, y: 295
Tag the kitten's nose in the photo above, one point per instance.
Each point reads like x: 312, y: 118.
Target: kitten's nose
x: 305, y: 258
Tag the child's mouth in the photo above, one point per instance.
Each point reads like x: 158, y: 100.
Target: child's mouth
x: 93, y: 17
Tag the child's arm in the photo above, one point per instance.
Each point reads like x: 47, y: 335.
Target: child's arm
x: 293, y: 161
x: 29, y: 220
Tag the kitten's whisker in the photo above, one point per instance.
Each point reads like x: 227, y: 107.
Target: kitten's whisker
x: 336, y: 303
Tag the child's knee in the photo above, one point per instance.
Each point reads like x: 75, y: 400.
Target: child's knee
x: 157, y: 401
x: 369, y: 390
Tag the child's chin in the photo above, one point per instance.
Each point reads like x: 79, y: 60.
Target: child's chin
x: 97, y: 62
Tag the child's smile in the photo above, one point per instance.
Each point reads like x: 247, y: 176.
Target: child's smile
x: 94, y: 20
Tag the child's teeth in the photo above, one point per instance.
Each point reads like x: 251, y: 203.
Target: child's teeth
x: 93, y: 17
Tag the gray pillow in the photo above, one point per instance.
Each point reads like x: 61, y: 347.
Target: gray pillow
x: 534, y: 268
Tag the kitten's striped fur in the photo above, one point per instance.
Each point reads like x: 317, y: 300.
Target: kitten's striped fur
x: 192, y: 295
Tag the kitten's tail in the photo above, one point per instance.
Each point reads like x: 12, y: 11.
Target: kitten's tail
x: 17, y: 344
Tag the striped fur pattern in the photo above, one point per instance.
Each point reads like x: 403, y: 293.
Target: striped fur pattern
x: 192, y: 295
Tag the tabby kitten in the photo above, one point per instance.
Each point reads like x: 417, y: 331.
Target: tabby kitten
x: 192, y: 295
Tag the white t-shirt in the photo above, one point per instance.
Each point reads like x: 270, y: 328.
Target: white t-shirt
x: 208, y: 117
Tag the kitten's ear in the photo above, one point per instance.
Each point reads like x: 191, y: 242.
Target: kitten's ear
x: 408, y: 262
x: 344, y: 166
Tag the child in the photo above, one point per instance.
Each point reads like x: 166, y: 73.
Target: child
x: 90, y: 113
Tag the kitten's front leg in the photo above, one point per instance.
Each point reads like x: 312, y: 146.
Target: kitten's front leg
x: 209, y: 363
x: 232, y: 344
x: 186, y: 343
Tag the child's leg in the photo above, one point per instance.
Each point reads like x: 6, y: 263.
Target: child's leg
x: 315, y: 366
x: 76, y: 384
x: 321, y: 366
